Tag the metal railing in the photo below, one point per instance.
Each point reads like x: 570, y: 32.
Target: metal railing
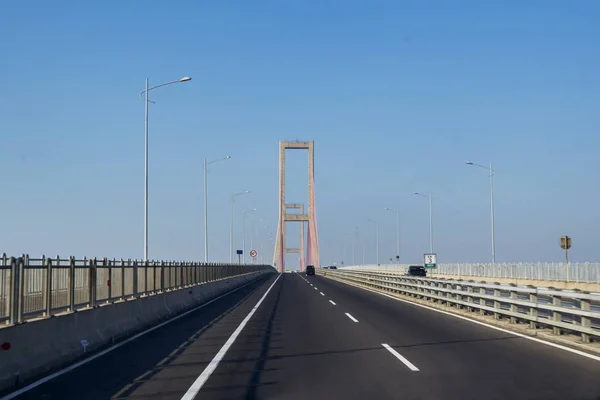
x: 563, y: 311
x: 585, y: 272
x: 32, y: 288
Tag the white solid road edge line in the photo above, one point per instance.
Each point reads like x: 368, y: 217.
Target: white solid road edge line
x: 351, y: 317
x: 116, y: 346
x: 558, y: 346
x: 399, y: 356
x: 331, y: 301
x: 192, y: 392
x: 322, y: 294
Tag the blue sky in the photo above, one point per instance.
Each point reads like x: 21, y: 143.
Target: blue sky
x: 396, y: 95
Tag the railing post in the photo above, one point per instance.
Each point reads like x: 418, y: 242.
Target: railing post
x: 92, y: 270
x: 48, y: 293
x: 72, y: 284
x: 135, y: 279
x: 14, y: 291
x: 181, y: 280
x: 162, y: 276
x: 122, y: 279
x: 146, y: 265
x: 109, y: 264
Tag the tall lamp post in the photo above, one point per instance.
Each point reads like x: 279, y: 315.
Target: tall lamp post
x: 206, y: 164
x: 376, y: 222
x: 231, y: 201
x: 147, y: 100
x: 397, y: 230
x: 491, y: 171
x: 244, y: 233
x: 430, y: 218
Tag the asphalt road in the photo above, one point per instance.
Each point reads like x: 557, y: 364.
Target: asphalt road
x: 314, y: 338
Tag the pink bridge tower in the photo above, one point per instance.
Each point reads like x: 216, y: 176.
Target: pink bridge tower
x: 312, y: 237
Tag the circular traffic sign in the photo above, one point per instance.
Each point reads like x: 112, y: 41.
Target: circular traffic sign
x: 253, y: 253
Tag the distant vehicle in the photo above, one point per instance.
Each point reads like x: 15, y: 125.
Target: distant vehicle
x: 310, y: 270
x: 417, y: 270
x: 332, y: 267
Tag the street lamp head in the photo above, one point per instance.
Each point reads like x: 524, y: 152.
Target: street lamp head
x: 185, y: 79
x: 469, y: 162
x: 227, y: 157
x: 417, y: 193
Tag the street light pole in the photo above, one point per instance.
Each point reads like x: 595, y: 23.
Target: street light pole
x: 491, y: 171
x: 430, y: 218
x: 232, y: 200
x: 397, y: 230
x: 147, y: 100
x: 244, y: 234
x: 206, y: 204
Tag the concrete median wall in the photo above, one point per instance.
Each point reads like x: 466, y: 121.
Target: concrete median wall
x: 41, y: 346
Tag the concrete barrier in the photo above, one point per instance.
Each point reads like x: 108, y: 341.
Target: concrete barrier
x: 41, y: 346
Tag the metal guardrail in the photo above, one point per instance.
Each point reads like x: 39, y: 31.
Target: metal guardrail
x: 585, y: 272
x: 563, y: 311
x: 32, y: 288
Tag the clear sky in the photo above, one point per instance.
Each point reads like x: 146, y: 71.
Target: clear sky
x: 395, y: 94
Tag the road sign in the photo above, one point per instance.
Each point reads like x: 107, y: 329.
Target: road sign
x: 430, y: 260
x: 253, y: 253
x: 565, y: 242
x: 240, y: 252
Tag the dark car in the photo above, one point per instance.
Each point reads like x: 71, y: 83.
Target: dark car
x: 417, y: 270
x: 333, y: 267
x: 310, y: 270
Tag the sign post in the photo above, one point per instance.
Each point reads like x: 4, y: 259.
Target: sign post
x: 253, y: 254
x: 430, y: 260
x: 239, y: 254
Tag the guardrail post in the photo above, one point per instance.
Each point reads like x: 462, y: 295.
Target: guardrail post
x: 497, y: 304
x: 72, y: 284
x: 513, y: 307
x: 470, y: 297
x: 48, y: 293
x: 93, y: 281
x: 533, y: 311
x: 482, y: 300
x: 556, y: 316
x: 109, y: 264
x: 585, y: 321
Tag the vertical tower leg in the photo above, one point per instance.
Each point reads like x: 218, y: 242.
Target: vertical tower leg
x: 313, y: 237
x: 302, y: 260
x: 278, y: 256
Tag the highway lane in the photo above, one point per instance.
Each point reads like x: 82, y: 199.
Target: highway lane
x: 301, y: 346
x: 463, y: 360
x: 130, y: 366
x: 315, y: 338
